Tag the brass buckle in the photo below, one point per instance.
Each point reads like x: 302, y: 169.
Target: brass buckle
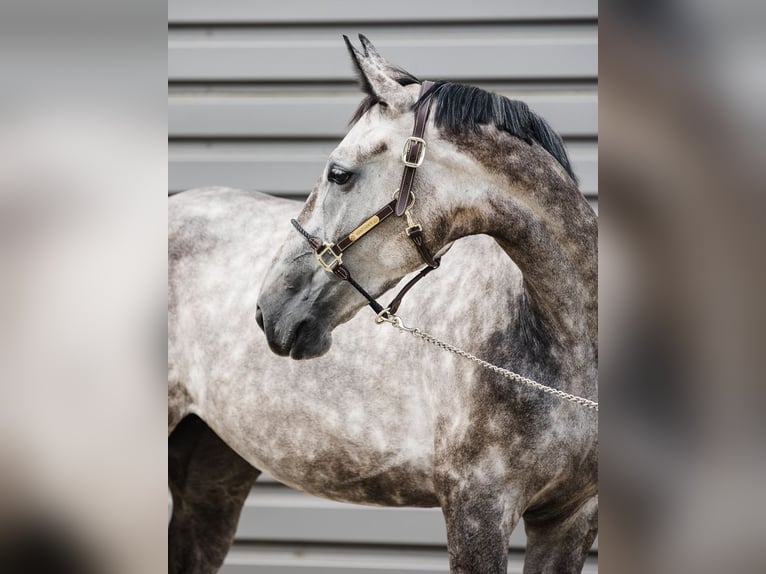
x: 408, y: 145
x: 333, y: 262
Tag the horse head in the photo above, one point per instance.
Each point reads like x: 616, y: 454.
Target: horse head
x: 300, y: 302
x: 360, y: 217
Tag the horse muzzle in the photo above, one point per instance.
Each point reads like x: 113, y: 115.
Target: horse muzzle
x: 302, y: 339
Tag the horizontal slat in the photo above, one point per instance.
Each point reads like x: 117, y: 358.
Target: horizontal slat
x: 325, y: 116
x: 389, y: 35
x: 446, y: 57
x: 276, y: 513
x: 310, y: 11
x: 291, y: 169
x: 294, y: 559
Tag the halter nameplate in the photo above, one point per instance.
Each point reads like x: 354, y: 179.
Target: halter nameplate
x: 364, y: 228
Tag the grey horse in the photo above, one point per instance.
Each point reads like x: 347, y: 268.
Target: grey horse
x: 376, y: 417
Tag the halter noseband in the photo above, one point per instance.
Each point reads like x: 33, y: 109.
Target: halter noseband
x: 330, y: 255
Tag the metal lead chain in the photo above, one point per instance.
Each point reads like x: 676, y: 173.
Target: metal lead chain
x: 386, y: 317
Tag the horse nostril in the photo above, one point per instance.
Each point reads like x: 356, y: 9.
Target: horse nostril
x: 259, y: 316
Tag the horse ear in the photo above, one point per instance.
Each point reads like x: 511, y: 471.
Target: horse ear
x: 377, y: 77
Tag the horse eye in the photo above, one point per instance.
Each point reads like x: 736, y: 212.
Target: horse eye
x: 338, y: 175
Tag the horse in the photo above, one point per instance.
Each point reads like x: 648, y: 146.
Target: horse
x: 365, y: 414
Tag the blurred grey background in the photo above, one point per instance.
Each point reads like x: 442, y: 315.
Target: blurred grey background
x: 261, y: 92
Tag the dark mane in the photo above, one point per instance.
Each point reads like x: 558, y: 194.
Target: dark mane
x: 458, y: 108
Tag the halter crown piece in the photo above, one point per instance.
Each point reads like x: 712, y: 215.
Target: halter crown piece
x: 330, y: 255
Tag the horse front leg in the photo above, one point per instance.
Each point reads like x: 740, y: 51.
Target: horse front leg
x: 209, y: 483
x: 479, y: 517
x: 561, y: 545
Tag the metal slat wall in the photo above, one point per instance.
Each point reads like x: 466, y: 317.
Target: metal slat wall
x: 261, y: 92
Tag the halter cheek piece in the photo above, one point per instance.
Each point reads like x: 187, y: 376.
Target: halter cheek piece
x: 330, y: 255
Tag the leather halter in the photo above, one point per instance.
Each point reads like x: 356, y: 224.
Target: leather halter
x: 330, y: 255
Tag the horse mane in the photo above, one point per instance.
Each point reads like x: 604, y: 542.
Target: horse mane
x: 459, y: 108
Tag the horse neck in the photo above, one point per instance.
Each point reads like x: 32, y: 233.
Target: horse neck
x: 545, y: 225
